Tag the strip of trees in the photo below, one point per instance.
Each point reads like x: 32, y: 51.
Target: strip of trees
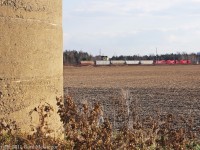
x: 178, y: 56
x: 73, y: 57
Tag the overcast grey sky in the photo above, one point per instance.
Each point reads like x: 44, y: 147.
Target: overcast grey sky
x: 128, y: 27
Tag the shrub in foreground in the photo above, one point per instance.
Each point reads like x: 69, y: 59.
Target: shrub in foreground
x: 86, y: 129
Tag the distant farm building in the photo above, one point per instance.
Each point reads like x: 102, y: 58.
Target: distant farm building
x: 99, y: 57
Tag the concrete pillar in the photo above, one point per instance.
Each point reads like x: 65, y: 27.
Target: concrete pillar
x: 30, y: 58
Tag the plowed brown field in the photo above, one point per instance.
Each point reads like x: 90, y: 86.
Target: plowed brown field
x: 141, y: 90
x: 133, y: 76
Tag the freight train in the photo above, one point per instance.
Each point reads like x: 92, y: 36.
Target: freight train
x: 134, y: 62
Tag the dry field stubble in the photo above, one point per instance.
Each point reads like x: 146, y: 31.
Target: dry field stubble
x: 133, y: 76
x: 144, y: 90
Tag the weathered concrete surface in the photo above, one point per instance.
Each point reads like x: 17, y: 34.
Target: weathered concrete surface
x: 30, y: 58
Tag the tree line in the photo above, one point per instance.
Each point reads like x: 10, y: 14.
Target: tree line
x: 177, y: 56
x: 73, y: 57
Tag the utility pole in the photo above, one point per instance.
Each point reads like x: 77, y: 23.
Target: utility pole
x: 156, y: 54
x: 100, y: 52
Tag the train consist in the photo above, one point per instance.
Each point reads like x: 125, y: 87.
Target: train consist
x: 134, y: 62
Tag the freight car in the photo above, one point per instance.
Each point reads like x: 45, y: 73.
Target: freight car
x: 117, y: 62
x: 132, y: 62
x: 102, y: 63
x: 146, y: 62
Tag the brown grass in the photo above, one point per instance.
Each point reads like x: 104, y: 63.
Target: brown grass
x: 85, y: 131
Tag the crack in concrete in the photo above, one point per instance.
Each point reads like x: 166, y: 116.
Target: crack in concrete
x: 34, y: 20
x: 31, y: 79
